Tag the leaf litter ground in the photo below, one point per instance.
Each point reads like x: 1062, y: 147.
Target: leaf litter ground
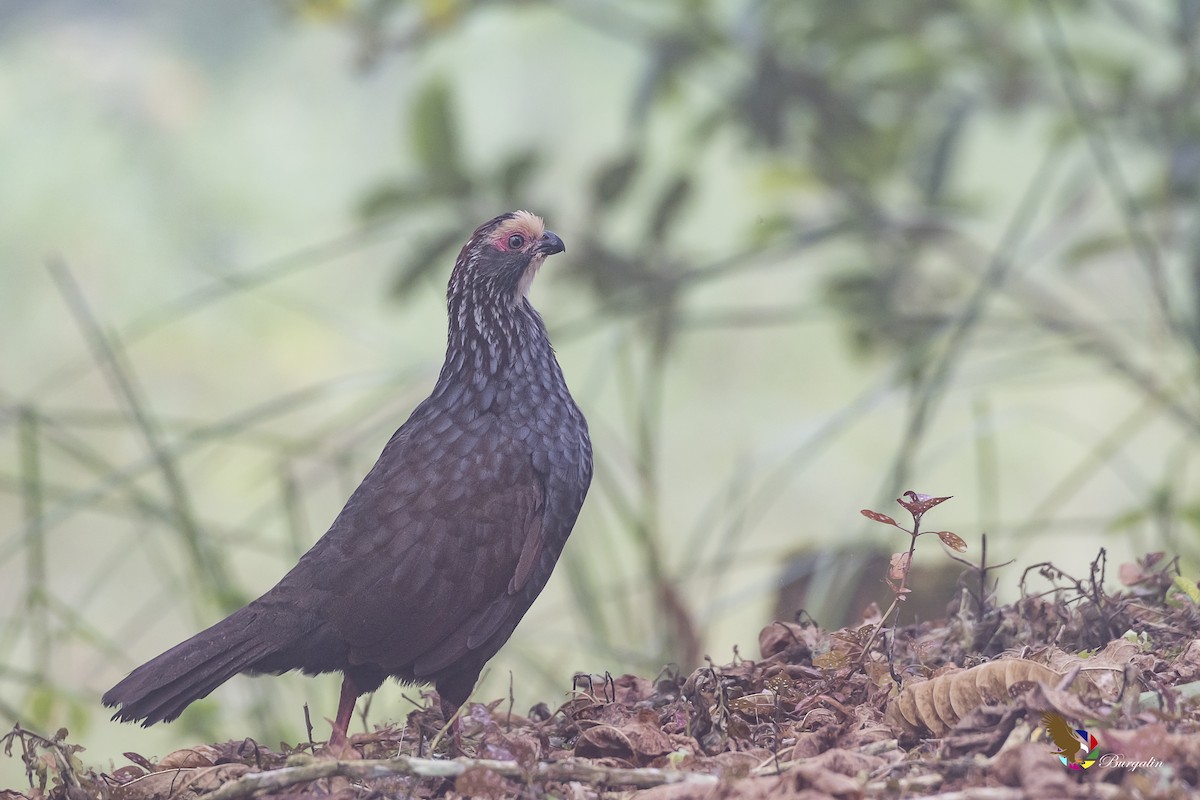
x: 818, y: 714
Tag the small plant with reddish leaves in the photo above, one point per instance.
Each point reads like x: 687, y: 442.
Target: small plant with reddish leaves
x: 901, y: 563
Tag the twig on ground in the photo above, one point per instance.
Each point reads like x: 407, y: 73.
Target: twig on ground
x: 276, y: 779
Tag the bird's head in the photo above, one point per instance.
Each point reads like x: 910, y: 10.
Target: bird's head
x: 502, y: 257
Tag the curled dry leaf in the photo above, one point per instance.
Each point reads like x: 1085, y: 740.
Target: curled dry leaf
x: 1104, y: 669
x: 636, y: 742
x: 789, y: 639
x: 900, y: 564
x: 202, y: 755
x: 937, y: 704
x: 755, y: 705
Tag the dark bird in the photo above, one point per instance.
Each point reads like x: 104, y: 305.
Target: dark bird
x: 1064, y: 738
x: 450, y: 537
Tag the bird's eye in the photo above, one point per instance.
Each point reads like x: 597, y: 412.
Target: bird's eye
x: 516, y: 241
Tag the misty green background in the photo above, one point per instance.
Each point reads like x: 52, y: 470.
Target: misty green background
x: 817, y: 254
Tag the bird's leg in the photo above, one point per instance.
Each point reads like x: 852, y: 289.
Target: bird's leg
x: 349, y: 697
x: 449, y: 710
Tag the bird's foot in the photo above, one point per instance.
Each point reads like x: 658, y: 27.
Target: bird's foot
x: 452, y: 714
x: 339, y: 747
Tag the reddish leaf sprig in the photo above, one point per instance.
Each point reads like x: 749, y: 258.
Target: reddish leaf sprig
x: 916, y: 505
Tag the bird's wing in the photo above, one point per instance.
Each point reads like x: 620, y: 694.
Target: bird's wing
x: 531, y: 552
x: 562, y: 475
x: 503, y: 609
x: 427, y: 545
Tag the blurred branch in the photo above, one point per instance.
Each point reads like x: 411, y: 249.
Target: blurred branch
x: 118, y: 477
x: 1102, y: 450
x: 932, y: 387
x: 274, y: 780
x: 1106, y: 160
x: 36, y: 586
x: 227, y: 285
x: 634, y: 301
x: 208, y: 559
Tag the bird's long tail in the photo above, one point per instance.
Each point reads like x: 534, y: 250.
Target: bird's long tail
x: 160, y: 689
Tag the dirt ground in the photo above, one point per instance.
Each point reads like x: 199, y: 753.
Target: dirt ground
x: 990, y: 702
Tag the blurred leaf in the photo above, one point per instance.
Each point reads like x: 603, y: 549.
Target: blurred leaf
x: 441, y: 13
x: 1128, y: 519
x: 669, y: 54
x: 41, y: 705
x: 1183, y: 168
x: 80, y: 715
x: 1191, y: 515
x: 670, y: 203
x: 613, y: 180
x: 1189, y: 588
x: 1088, y: 248
x: 435, y: 138
x: 321, y: 10
x: 707, y: 126
x: 937, y: 161
x: 388, y: 198
x: 424, y: 258
x: 764, y: 100
x: 515, y: 175
x: 770, y: 229
x: 1189, y: 20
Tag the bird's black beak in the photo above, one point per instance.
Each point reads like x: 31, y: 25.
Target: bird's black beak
x: 550, y: 244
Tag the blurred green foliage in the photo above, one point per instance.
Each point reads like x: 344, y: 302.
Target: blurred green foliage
x: 863, y: 107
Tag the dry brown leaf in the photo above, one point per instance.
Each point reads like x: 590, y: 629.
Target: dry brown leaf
x: 127, y: 773
x: 787, y: 637
x: 756, y: 705
x: 1104, y: 669
x: 202, y: 755
x: 637, y: 742
x: 1185, y: 668
x: 935, y: 705
x: 952, y: 540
